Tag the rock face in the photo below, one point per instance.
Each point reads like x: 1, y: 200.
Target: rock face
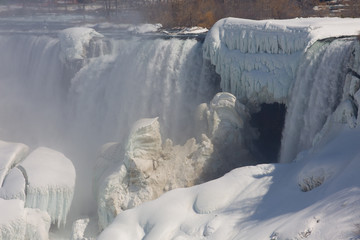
x: 147, y: 167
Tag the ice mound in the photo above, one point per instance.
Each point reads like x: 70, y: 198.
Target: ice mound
x: 145, y: 169
x: 12, y: 220
x: 10, y: 155
x: 75, y: 41
x: 226, y: 123
x: 50, y: 183
x: 83, y: 229
x: 37, y: 224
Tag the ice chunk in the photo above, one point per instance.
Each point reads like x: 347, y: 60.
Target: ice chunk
x: 37, y: 224
x: 51, y: 182
x: 147, y: 169
x: 84, y: 229
x: 12, y: 219
x: 10, y: 155
x: 14, y: 185
x: 226, y: 122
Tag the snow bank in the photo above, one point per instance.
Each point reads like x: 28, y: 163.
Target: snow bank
x: 51, y: 181
x: 259, y: 202
x: 257, y: 60
x: 10, y: 155
x: 74, y: 43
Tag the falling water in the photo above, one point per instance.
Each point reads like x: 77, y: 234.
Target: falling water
x: 75, y: 108
x: 317, y: 91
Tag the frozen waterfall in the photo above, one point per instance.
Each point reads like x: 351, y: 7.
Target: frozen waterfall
x: 316, y: 93
x: 75, y: 91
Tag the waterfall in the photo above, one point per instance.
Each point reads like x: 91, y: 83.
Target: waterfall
x: 75, y: 107
x: 316, y: 92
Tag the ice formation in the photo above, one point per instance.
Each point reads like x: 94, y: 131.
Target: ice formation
x: 257, y: 60
x: 12, y: 220
x: 147, y: 167
x: 10, y: 155
x: 250, y: 202
x: 83, y: 229
x: 50, y: 183
x: 14, y: 185
x: 75, y: 41
x: 37, y: 224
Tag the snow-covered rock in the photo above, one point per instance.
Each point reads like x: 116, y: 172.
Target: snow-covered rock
x: 257, y: 60
x: 146, y: 169
x: 75, y: 41
x: 259, y: 202
x: 10, y: 155
x: 14, y: 185
x: 37, y: 224
x: 12, y: 220
x: 50, y: 183
x: 144, y: 28
x: 84, y: 229
x: 226, y: 122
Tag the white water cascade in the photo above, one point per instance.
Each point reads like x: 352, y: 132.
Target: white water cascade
x: 75, y: 107
x: 316, y: 93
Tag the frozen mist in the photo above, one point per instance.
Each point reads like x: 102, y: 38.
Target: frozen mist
x: 80, y: 91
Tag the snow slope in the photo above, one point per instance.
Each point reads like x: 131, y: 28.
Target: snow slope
x: 260, y: 202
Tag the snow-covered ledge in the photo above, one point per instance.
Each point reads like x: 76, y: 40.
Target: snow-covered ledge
x: 257, y: 60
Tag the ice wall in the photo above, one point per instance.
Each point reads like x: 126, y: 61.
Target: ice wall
x: 257, y: 60
x: 50, y: 183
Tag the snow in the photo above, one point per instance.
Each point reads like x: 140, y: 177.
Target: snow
x: 74, y: 42
x: 11, y: 154
x: 259, y: 202
x: 144, y: 28
x: 313, y: 197
x: 51, y: 181
x: 14, y: 185
x: 257, y: 60
x: 12, y: 220
x: 37, y: 224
